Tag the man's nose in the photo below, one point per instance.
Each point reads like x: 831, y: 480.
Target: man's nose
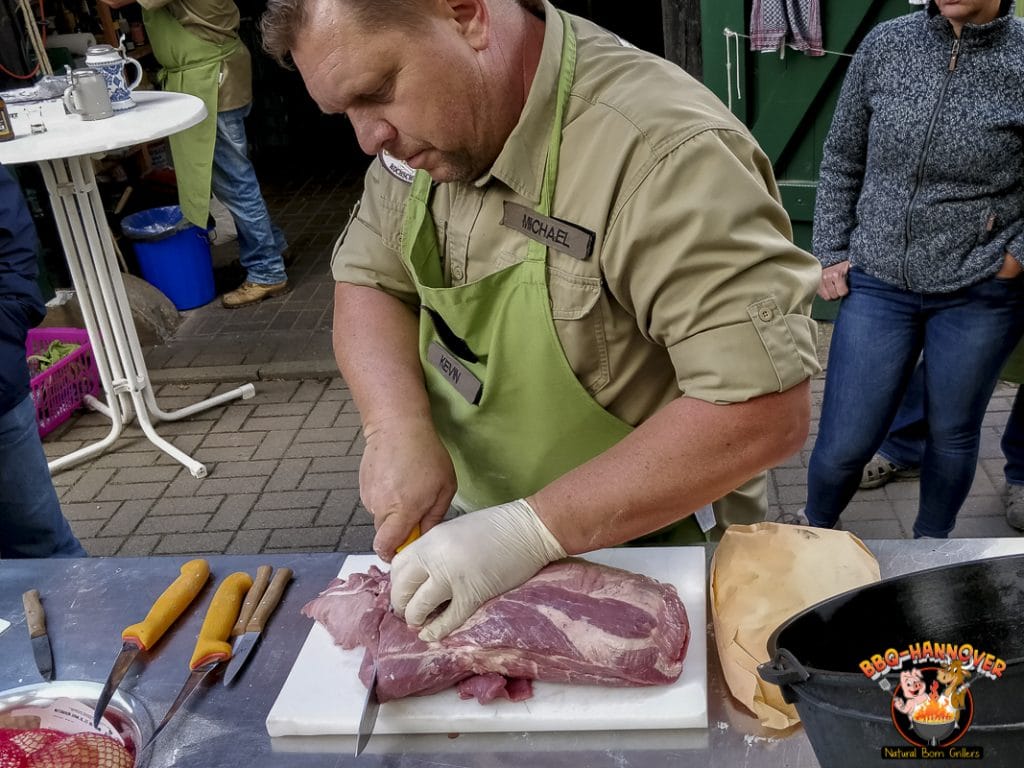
x: 372, y: 133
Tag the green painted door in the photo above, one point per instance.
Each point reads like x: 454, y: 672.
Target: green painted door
x: 787, y: 100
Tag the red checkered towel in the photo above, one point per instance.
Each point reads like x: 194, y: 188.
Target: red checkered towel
x: 796, y: 23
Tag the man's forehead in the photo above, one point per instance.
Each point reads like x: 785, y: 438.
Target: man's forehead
x: 339, y: 64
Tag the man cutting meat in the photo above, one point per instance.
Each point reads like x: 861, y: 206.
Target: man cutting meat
x: 568, y: 301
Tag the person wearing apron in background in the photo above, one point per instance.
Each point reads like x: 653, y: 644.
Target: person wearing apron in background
x: 568, y: 302
x: 197, y: 44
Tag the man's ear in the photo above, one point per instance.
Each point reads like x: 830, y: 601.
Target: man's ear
x: 473, y: 19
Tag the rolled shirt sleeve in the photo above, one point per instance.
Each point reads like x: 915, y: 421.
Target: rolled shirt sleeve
x: 702, y: 256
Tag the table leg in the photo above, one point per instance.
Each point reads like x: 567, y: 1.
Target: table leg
x: 83, y: 229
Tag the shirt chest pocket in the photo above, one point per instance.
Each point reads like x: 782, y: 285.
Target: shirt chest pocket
x: 577, y: 307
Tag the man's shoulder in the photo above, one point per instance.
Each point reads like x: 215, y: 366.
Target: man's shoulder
x: 635, y: 94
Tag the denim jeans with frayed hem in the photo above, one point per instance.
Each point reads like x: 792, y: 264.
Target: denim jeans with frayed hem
x: 260, y: 242
x: 31, y: 523
x: 881, y: 331
x: 904, y: 445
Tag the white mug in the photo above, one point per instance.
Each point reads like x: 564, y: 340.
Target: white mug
x: 110, y: 62
x: 87, y: 95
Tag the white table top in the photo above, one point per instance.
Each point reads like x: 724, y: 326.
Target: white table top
x: 158, y: 114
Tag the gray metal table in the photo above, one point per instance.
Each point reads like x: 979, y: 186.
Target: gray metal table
x: 88, y: 603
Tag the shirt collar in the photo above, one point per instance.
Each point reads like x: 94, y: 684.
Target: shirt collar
x: 520, y: 164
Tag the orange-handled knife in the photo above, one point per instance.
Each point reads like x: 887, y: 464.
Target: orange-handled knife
x: 413, y: 535
x: 212, y: 646
x: 371, y: 704
x: 144, y: 635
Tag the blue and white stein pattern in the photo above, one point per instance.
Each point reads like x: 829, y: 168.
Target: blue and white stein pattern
x: 110, y: 62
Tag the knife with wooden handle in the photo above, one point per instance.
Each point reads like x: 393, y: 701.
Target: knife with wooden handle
x: 252, y: 599
x: 36, y: 619
x: 254, y: 628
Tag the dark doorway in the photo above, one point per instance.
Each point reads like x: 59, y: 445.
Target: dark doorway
x: 290, y: 136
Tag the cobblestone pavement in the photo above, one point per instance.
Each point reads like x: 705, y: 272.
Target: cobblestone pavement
x: 283, y: 477
x: 283, y: 467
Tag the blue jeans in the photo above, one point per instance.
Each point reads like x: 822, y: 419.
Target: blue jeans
x: 260, y: 242
x: 879, y: 335
x: 904, y: 445
x: 31, y: 523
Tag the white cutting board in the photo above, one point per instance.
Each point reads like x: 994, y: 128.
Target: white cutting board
x: 323, y: 694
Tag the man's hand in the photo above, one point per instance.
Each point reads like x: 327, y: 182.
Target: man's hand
x: 467, y: 561
x: 406, y: 478
x: 834, y: 282
x: 117, y: 3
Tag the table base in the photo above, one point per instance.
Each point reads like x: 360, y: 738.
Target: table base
x: 85, y: 235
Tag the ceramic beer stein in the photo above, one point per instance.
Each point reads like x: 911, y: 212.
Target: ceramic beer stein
x: 110, y: 62
x: 87, y: 95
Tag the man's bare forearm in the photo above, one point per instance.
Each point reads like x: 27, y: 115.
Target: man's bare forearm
x: 377, y: 349
x: 688, y: 454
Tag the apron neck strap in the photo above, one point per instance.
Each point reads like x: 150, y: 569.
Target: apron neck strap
x: 566, y: 73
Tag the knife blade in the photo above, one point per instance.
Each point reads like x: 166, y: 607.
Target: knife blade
x: 143, y: 636
x: 371, y: 705
x: 36, y: 619
x: 254, y: 627
x: 212, y: 648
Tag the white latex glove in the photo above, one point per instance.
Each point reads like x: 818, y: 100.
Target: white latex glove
x: 468, y: 561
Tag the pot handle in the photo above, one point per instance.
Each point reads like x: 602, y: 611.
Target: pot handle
x: 784, y: 670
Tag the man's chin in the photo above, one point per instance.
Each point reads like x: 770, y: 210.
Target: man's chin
x: 446, y: 170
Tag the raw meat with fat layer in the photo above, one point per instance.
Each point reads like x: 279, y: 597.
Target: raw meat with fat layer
x: 574, y: 622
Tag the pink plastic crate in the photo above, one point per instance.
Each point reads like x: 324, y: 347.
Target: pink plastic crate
x: 62, y: 387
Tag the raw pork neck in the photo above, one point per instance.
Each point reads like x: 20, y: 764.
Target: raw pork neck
x: 574, y: 622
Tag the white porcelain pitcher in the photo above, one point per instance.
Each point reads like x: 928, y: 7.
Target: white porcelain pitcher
x: 110, y: 62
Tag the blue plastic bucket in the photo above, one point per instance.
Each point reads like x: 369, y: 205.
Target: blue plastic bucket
x: 173, y: 255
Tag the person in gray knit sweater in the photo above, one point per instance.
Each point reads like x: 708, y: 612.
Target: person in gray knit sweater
x: 919, y: 227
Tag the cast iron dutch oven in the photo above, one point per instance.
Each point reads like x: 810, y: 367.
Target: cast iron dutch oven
x: 902, y: 711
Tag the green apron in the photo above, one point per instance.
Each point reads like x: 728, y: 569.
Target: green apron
x: 190, y: 65
x: 531, y: 421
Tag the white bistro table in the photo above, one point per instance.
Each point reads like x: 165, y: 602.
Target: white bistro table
x: 64, y: 153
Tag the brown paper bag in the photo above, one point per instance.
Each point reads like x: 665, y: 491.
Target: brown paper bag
x: 762, y: 575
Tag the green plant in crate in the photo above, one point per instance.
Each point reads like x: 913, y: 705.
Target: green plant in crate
x: 56, y: 351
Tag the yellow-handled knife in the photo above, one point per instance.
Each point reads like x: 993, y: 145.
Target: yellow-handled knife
x: 371, y: 705
x: 212, y: 647
x: 144, y: 635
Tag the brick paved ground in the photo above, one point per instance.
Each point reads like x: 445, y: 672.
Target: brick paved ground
x: 283, y: 476
x: 283, y: 467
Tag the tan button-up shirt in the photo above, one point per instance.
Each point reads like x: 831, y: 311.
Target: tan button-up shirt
x: 216, y: 21
x: 693, y: 285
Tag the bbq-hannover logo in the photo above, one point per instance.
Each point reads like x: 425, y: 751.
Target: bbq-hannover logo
x: 932, y: 707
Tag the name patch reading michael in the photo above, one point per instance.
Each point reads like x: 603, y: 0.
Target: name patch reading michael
x: 458, y: 375
x: 554, y: 233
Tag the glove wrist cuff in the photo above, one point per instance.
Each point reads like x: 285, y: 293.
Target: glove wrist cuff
x: 550, y: 546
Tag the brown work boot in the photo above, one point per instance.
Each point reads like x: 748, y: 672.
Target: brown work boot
x: 251, y: 293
